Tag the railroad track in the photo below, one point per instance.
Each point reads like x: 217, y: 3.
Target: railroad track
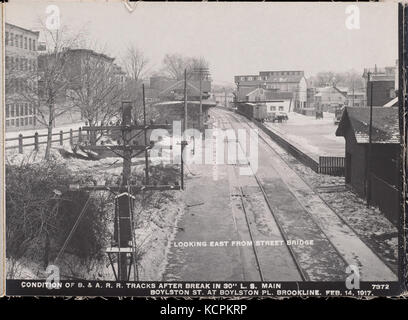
x: 316, y: 191
x: 284, y: 236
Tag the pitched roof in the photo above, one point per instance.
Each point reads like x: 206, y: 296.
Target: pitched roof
x: 385, y: 124
x: 179, y: 85
x: 279, y: 95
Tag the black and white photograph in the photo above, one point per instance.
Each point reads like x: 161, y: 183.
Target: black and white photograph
x: 203, y: 149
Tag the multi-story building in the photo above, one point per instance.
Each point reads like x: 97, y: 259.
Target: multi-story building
x: 76, y: 65
x: 21, y: 84
x: 381, y: 81
x: 284, y: 81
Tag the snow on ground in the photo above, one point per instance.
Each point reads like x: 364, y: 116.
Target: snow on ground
x: 156, y: 224
x: 155, y: 232
x: 315, y: 137
x: 30, y: 132
x: 369, y: 223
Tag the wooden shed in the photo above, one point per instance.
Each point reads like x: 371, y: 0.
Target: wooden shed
x: 385, y: 160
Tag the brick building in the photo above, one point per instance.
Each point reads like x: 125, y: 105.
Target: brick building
x: 21, y: 65
x: 382, y: 82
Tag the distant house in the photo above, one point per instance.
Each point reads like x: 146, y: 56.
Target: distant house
x: 283, y: 81
x: 172, y: 89
x: 328, y: 98
x: 385, y: 156
x: 175, y: 91
x: 225, y: 99
x: 356, y: 98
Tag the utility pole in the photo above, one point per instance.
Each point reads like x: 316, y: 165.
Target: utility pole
x: 370, y: 131
x: 201, y: 72
x: 185, y: 100
x: 201, y: 102
x: 124, y: 243
x: 124, y: 229
x: 353, y: 95
x: 145, y: 138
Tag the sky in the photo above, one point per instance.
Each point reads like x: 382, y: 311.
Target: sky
x: 236, y: 38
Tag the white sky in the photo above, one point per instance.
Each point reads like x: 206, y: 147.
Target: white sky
x: 236, y: 38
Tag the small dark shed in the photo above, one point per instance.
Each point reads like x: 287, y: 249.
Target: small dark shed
x: 385, y: 156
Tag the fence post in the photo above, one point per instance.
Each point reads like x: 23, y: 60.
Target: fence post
x: 61, y: 139
x: 71, y: 137
x: 36, y: 141
x: 20, y: 143
x: 79, y: 134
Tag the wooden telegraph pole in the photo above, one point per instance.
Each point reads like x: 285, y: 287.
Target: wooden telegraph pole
x: 370, y: 133
x: 185, y: 101
x: 124, y: 244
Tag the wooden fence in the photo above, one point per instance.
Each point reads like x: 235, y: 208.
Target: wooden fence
x: 333, y: 166
x: 21, y: 142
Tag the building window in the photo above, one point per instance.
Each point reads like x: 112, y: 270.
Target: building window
x: 12, y: 122
x: 7, y: 123
x: 7, y: 62
x: 11, y: 39
x: 34, y: 45
x: 7, y: 110
x: 25, y: 42
x: 21, y: 109
x: 12, y: 110
x: 22, y: 122
x: 29, y: 43
x: 280, y: 108
x: 31, y: 120
x: 26, y: 121
x: 7, y: 38
x: 26, y: 109
x: 21, y: 41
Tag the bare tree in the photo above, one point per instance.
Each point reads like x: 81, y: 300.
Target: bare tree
x: 135, y: 63
x: 350, y: 79
x: 175, y: 64
x: 96, y: 93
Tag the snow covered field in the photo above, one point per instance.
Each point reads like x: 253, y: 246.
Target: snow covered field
x: 315, y: 137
